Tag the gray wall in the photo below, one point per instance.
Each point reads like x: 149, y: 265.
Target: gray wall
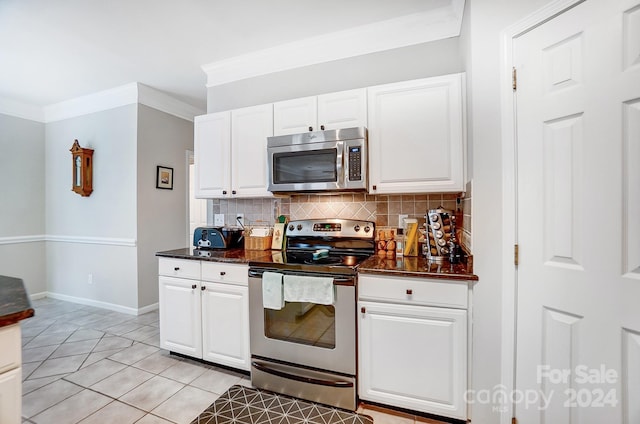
x: 163, y: 139
x: 22, y: 200
x: 419, y: 61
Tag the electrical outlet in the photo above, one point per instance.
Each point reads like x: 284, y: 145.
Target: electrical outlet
x: 401, y: 219
x: 90, y: 279
x: 218, y: 220
x: 240, y: 219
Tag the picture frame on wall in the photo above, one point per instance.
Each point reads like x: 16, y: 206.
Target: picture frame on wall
x: 164, y: 177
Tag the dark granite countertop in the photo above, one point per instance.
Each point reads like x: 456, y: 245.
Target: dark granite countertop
x: 14, y: 301
x: 239, y: 256
x: 417, y: 266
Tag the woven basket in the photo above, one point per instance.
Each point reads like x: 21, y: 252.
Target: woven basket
x: 257, y: 243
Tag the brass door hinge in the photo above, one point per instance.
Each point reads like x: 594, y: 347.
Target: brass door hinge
x: 515, y: 254
x: 514, y: 79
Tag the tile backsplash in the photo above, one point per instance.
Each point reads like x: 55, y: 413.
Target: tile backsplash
x: 382, y: 209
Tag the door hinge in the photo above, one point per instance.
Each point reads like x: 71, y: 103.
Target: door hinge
x: 514, y: 79
x: 515, y: 254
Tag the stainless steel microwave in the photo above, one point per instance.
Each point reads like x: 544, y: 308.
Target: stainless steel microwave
x: 333, y: 160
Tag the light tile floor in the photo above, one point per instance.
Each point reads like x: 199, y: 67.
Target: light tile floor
x: 94, y: 366
x: 89, y: 365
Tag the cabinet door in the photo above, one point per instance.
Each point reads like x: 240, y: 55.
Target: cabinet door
x: 295, y: 116
x: 11, y: 397
x: 225, y: 325
x: 413, y: 357
x: 344, y: 109
x: 250, y: 128
x: 180, y: 317
x: 212, y: 143
x: 417, y: 136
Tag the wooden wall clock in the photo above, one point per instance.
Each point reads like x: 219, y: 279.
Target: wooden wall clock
x: 82, y: 169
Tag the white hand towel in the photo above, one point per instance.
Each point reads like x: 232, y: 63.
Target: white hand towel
x: 272, y: 290
x: 318, y: 290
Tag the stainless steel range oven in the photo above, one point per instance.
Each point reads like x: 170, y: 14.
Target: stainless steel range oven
x: 305, y: 344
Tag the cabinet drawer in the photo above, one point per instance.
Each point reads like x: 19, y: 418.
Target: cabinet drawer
x: 418, y: 291
x: 223, y: 272
x: 179, y: 268
x: 10, y: 354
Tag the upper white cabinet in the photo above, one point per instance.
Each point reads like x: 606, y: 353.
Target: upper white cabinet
x: 343, y: 109
x: 211, y: 145
x: 250, y: 128
x: 417, y: 136
x: 230, y: 152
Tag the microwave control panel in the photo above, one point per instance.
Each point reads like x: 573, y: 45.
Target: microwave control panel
x: 355, y: 163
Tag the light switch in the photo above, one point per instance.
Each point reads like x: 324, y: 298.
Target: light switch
x: 218, y: 220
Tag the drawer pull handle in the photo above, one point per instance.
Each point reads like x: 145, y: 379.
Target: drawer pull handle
x: 409, y: 291
x: 363, y: 309
x: 223, y: 273
x: 176, y: 268
x: 203, y: 288
x: 193, y: 286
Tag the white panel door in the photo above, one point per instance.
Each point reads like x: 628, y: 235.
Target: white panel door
x: 250, y: 128
x: 413, y: 357
x: 416, y: 136
x: 295, y: 116
x: 212, y: 144
x: 578, y: 144
x: 343, y: 109
x: 225, y: 324
x: 11, y: 397
x: 180, y: 319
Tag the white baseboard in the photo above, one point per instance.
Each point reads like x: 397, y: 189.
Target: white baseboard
x: 103, y: 305
x: 37, y: 296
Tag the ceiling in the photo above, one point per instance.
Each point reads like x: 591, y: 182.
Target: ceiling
x: 56, y: 50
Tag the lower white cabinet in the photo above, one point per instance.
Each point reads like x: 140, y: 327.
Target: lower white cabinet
x: 10, y: 375
x: 412, y: 355
x: 206, y: 317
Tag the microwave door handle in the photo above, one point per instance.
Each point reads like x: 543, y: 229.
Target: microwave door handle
x: 340, y: 146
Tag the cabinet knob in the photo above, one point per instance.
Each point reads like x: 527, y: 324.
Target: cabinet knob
x: 375, y: 187
x: 193, y: 286
x: 310, y: 128
x: 409, y: 291
x: 322, y: 127
x: 223, y: 273
x: 203, y: 288
x: 224, y: 191
x: 233, y: 192
x: 176, y: 268
x: 363, y: 310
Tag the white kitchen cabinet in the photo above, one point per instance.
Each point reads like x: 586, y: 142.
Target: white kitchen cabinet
x: 230, y: 152
x: 417, y: 136
x: 412, y: 354
x: 10, y: 375
x: 212, y: 152
x: 204, y: 310
x: 250, y: 128
x: 343, y: 109
x: 180, y: 316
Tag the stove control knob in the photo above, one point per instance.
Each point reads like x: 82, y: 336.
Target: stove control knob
x: 299, y: 227
x: 356, y: 228
x: 367, y: 229
x: 291, y: 227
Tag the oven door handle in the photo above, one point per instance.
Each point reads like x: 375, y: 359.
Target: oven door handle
x: 258, y: 274
x: 316, y: 381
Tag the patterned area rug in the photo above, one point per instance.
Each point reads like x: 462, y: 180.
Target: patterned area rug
x: 243, y: 405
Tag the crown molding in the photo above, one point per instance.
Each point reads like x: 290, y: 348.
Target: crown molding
x: 127, y: 94
x: 163, y: 102
x: 394, y: 33
x: 21, y: 110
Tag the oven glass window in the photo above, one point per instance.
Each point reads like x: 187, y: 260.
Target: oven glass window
x: 302, y: 322
x: 315, y: 166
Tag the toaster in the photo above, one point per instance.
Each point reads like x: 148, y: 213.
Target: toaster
x: 217, y: 238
